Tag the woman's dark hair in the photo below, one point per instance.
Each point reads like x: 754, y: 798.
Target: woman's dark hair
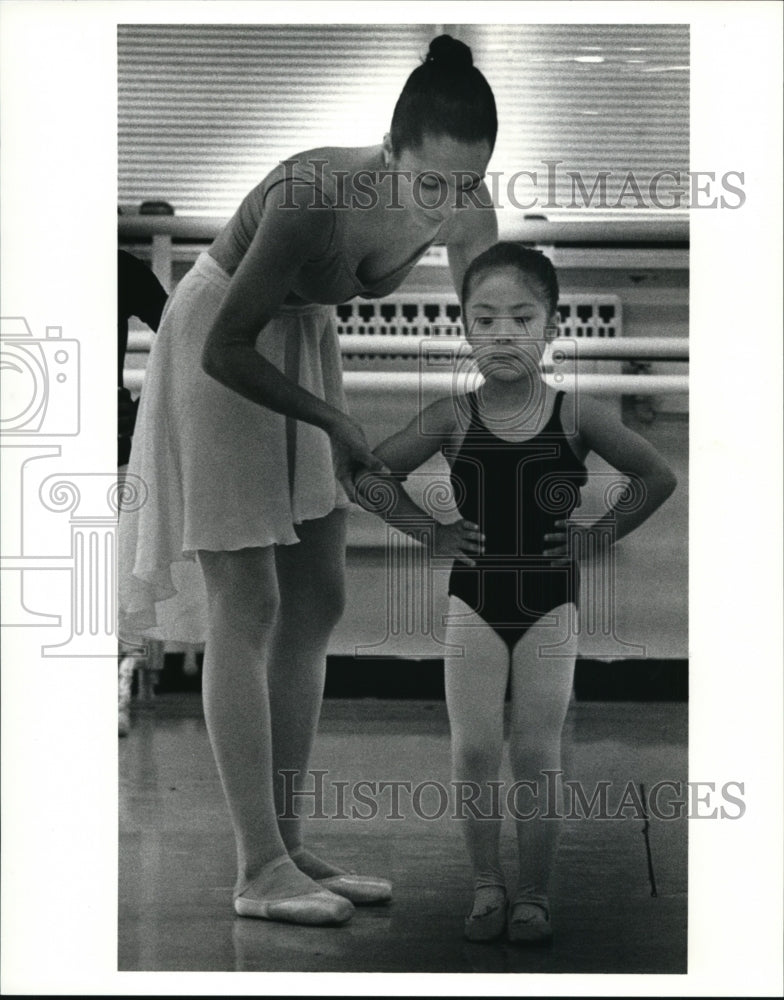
x: 446, y: 95
x: 531, y: 263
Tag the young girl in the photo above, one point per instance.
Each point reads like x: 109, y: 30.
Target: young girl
x: 516, y: 449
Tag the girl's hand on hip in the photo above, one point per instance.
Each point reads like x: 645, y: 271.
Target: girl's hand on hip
x: 557, y: 544
x: 459, y: 540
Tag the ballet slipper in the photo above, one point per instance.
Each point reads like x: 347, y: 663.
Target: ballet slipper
x: 318, y: 908
x: 362, y: 890
x: 529, y: 920
x: 309, y: 904
x: 487, y: 919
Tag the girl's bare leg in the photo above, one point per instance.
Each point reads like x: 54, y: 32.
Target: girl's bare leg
x: 541, y: 690
x: 475, y: 690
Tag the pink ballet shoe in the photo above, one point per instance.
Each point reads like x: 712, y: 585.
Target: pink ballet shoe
x: 363, y: 890
x: 318, y: 908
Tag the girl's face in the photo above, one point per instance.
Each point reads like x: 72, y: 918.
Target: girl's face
x: 436, y: 177
x: 508, y: 324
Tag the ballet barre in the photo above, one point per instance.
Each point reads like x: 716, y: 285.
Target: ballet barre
x: 581, y: 348
x: 461, y: 382
x: 465, y: 381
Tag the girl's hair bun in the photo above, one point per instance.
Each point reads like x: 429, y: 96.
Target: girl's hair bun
x: 449, y: 54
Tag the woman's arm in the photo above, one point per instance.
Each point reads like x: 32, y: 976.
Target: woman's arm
x: 285, y: 239
x: 651, y: 478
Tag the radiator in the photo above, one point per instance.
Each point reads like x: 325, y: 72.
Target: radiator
x: 438, y: 314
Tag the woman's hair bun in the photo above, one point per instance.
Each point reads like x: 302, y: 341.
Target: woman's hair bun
x: 449, y: 54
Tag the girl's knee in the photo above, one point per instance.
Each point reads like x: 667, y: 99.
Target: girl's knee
x: 474, y: 759
x: 531, y: 759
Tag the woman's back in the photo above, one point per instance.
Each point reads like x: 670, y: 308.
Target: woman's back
x: 365, y: 233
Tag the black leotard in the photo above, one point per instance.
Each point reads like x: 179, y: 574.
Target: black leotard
x: 515, y: 492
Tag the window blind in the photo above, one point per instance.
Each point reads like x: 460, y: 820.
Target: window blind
x: 206, y: 111
x: 598, y: 98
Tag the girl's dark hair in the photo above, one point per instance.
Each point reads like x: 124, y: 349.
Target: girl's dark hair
x: 446, y: 95
x: 532, y: 263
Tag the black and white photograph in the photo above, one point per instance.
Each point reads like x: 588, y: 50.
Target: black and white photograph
x: 425, y: 570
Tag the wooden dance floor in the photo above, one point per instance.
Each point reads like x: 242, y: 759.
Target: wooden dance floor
x: 177, y: 850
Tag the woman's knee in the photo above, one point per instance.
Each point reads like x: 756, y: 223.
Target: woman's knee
x: 243, y: 595
x: 319, y: 604
x: 331, y: 600
x: 251, y: 618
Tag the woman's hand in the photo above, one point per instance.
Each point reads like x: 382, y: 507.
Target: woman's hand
x: 351, y: 453
x: 459, y: 540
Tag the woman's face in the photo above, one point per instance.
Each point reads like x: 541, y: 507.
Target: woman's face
x: 508, y: 324
x: 436, y: 177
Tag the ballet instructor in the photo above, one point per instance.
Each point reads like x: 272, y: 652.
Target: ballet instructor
x: 247, y: 454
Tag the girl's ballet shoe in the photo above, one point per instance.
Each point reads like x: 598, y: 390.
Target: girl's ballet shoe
x: 359, y: 889
x: 489, y: 925
x: 529, y: 921
x: 316, y: 908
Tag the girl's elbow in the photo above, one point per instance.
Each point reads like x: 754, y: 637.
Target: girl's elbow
x: 658, y: 485
x: 667, y: 482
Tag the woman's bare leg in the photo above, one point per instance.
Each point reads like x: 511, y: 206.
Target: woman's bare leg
x: 243, y: 603
x: 311, y: 580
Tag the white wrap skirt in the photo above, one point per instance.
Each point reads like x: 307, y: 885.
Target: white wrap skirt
x: 212, y: 470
